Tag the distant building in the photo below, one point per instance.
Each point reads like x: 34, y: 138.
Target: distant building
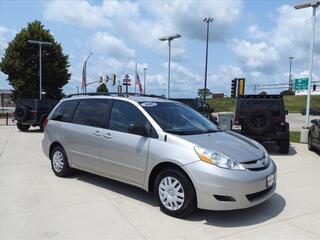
x: 217, y: 95
x: 5, y: 98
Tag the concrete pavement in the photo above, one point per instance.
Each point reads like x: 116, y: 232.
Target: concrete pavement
x: 34, y: 204
x: 297, y: 120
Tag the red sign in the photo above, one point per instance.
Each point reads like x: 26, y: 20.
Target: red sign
x: 126, y: 80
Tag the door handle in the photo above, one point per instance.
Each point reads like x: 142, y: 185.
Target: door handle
x: 107, y: 135
x: 97, y: 133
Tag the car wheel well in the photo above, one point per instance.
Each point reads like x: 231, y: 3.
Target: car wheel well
x: 53, y: 145
x: 156, y: 170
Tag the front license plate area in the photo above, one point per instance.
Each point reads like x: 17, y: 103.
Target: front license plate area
x: 270, y: 180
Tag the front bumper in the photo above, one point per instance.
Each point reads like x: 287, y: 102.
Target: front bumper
x: 246, y: 188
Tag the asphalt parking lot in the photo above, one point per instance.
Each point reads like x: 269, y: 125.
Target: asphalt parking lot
x: 34, y: 204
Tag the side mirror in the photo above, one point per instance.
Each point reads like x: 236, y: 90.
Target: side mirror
x: 138, y: 129
x: 213, y: 119
x: 286, y: 112
x: 211, y: 110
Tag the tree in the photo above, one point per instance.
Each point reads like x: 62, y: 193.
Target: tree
x: 102, y: 88
x: 21, y: 63
x: 201, y: 92
x: 287, y: 92
x: 263, y: 93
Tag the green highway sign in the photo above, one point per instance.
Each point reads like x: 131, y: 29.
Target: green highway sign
x: 301, y: 84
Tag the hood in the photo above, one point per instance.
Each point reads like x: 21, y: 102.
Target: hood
x: 237, y: 147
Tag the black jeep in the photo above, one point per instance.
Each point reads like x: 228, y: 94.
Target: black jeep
x: 263, y: 118
x: 32, y: 112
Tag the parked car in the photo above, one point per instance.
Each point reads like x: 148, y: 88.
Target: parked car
x: 32, y: 112
x: 263, y: 118
x: 314, y: 136
x: 161, y: 146
x: 312, y: 111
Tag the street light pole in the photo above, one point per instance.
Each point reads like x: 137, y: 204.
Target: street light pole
x: 207, y: 21
x: 85, y: 66
x: 169, y: 39
x: 144, y: 79
x: 314, y: 5
x: 290, y: 75
x: 40, y: 43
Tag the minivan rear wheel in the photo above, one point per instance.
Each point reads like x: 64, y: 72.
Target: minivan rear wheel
x: 59, y: 162
x: 174, y: 193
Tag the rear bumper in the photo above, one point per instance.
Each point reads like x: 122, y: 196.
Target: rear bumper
x: 214, y: 185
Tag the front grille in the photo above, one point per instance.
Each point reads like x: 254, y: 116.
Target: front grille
x: 257, y: 165
x: 256, y: 196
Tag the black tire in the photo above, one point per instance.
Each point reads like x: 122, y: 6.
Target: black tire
x: 284, y: 146
x: 22, y: 127
x: 259, y: 121
x: 41, y: 128
x: 65, y: 170
x: 310, y: 147
x: 22, y: 113
x: 189, y: 204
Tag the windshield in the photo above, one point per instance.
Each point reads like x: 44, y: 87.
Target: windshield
x: 178, y: 118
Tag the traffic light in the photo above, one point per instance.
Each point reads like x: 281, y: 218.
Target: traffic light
x: 314, y: 87
x: 113, y: 79
x: 241, y: 85
x: 234, y: 88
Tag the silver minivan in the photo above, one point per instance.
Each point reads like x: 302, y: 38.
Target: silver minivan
x: 162, y: 146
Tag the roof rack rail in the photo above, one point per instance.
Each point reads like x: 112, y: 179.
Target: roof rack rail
x: 112, y: 94
x: 94, y: 94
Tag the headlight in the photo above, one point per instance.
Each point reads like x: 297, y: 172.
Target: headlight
x: 218, y: 159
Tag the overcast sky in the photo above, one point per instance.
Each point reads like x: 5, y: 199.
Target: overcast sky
x: 251, y: 39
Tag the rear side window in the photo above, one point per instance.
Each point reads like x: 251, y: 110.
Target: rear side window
x: 91, y: 112
x: 123, y: 114
x: 65, y: 111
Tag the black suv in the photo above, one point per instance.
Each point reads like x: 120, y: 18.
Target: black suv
x: 33, y: 112
x: 263, y: 118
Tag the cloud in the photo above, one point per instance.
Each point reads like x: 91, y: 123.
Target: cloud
x: 187, y: 16
x: 108, y: 45
x: 77, y: 13
x: 5, y: 35
x: 267, y: 50
x: 255, y: 33
x: 256, y: 55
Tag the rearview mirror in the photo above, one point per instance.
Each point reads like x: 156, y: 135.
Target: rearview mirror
x: 138, y: 129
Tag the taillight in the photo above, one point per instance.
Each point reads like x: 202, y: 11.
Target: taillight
x: 45, y: 122
x: 282, y: 120
x: 33, y: 113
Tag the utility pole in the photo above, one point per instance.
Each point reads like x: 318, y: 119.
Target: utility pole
x: 40, y: 43
x: 314, y: 5
x: 169, y: 39
x: 290, y: 75
x: 207, y: 21
x: 144, y: 79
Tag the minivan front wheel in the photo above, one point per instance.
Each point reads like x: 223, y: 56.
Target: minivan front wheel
x: 174, y: 193
x: 59, y: 162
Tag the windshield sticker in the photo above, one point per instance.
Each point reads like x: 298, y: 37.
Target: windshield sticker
x: 149, y: 104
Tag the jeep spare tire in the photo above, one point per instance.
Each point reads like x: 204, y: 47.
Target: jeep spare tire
x: 22, y: 113
x: 259, y: 121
